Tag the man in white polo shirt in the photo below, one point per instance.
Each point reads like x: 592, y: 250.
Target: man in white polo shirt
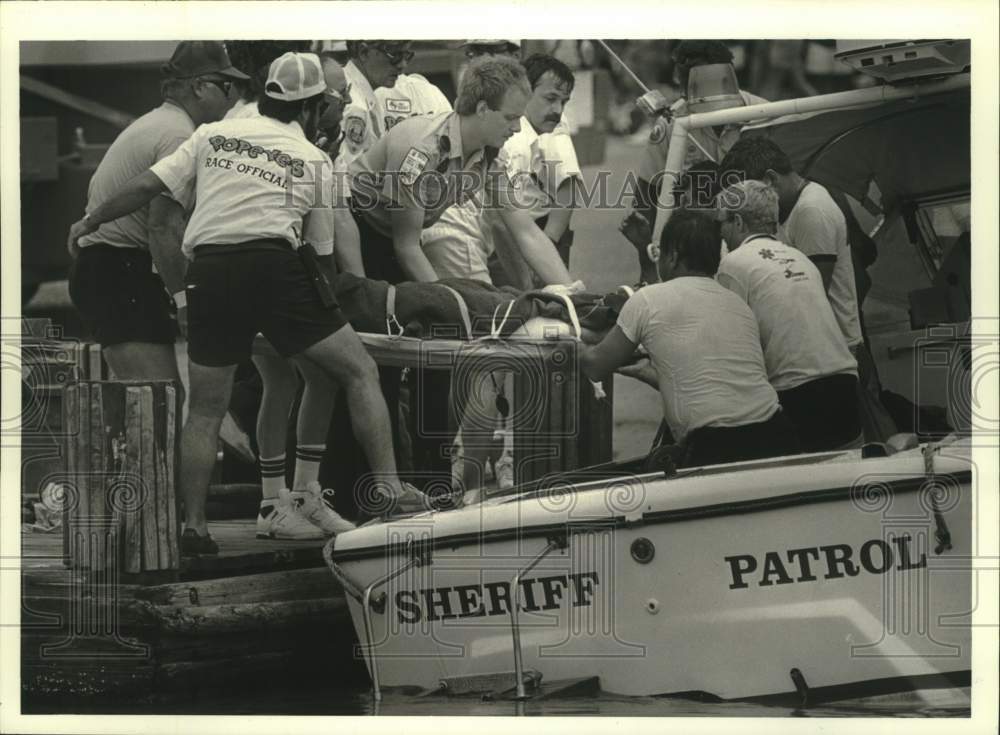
x: 807, y: 358
x: 262, y: 191
x: 542, y: 156
x: 372, y: 64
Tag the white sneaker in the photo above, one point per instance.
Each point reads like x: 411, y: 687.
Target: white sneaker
x: 289, y: 523
x: 266, y: 514
x: 314, y: 503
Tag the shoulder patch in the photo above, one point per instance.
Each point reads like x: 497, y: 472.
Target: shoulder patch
x: 354, y: 129
x: 402, y: 106
x: 412, y: 166
x: 659, y: 131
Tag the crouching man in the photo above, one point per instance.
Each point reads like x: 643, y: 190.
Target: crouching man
x: 704, y: 350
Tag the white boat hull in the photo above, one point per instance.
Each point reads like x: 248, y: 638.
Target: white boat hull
x: 836, y: 569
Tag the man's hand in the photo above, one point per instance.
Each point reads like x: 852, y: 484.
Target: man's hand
x: 636, y: 229
x: 79, y: 229
x: 641, y: 370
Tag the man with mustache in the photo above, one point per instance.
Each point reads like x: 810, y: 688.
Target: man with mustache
x: 423, y: 166
x: 542, y: 158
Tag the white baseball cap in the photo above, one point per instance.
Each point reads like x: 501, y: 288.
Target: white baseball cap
x: 295, y: 76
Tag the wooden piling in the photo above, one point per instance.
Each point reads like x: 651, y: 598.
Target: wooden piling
x: 123, y: 460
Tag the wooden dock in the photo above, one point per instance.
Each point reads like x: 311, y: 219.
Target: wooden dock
x: 110, y: 610
x: 261, y: 609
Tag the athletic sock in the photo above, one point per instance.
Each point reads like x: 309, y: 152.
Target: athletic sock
x: 272, y: 475
x: 307, y: 460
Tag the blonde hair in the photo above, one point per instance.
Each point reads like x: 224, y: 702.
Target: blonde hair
x: 487, y: 79
x: 755, y: 202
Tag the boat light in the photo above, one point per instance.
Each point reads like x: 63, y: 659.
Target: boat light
x: 643, y: 550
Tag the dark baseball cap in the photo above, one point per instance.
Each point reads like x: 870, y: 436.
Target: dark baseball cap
x: 197, y: 58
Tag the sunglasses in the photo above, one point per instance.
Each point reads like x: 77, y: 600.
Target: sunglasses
x: 224, y: 85
x: 396, y: 57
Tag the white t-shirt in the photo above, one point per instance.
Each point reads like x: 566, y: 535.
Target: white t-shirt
x: 798, y: 331
x: 459, y: 244
x: 151, y: 138
x: 242, y: 109
x: 411, y: 95
x: 816, y: 226
x: 540, y: 163
x: 704, y: 344
x: 254, y: 178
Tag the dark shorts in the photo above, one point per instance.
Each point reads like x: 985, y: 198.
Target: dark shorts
x: 824, y: 412
x: 235, y: 291
x: 119, y: 296
x: 378, y: 255
x: 722, y: 444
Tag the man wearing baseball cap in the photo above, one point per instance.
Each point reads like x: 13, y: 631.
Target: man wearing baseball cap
x: 492, y: 47
x: 372, y: 64
x: 262, y: 192
x: 122, y: 300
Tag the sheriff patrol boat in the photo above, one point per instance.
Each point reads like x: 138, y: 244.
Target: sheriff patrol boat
x: 829, y: 575
x: 822, y: 576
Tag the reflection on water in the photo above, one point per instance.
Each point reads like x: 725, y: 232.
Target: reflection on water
x: 326, y: 700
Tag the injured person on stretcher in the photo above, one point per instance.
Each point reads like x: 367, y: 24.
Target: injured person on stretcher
x: 469, y: 310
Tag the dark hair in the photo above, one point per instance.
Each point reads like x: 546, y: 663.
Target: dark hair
x: 696, y: 237
x: 699, y: 53
x: 175, y: 89
x: 537, y: 65
x: 255, y: 57
x: 695, y: 53
x: 354, y: 48
x: 751, y: 158
x: 283, y: 111
x: 701, y: 180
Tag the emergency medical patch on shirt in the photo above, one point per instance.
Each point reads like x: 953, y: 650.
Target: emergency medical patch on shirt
x: 399, y: 106
x: 412, y: 166
x: 354, y: 130
x: 659, y: 131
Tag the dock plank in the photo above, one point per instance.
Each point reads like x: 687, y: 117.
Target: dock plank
x: 240, y: 552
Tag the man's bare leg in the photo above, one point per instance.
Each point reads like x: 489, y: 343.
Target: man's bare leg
x: 144, y: 361
x: 315, y: 411
x: 211, y: 388
x: 344, y: 357
x: 280, y: 383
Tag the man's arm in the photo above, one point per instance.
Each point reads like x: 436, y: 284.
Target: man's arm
x: 347, y: 251
x: 135, y: 194
x: 407, y: 224
x: 816, y: 234
x: 514, y: 265
x: 602, y: 360
x: 536, y: 248
x: 166, y: 223
x: 562, y: 213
